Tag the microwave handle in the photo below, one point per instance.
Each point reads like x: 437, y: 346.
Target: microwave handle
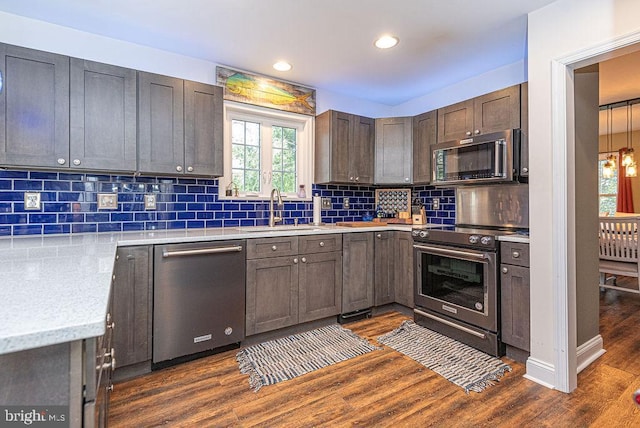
x: 500, y: 158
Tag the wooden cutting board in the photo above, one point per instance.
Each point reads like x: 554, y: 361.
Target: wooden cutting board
x: 360, y: 223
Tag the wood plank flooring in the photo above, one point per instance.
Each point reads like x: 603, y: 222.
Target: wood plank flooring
x: 385, y: 388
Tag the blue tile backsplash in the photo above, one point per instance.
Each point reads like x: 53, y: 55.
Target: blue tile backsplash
x: 69, y: 204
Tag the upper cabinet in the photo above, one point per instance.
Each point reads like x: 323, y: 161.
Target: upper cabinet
x: 424, y: 135
x: 394, y: 156
x: 488, y: 113
x: 34, y: 108
x: 344, y: 148
x: 180, y: 126
x: 103, y: 116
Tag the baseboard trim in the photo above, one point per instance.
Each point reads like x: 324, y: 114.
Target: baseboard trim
x: 589, y: 351
x: 541, y: 372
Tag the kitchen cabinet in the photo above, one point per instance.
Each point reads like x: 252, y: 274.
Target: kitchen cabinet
x: 132, y: 304
x: 103, y: 117
x: 358, y: 271
x: 403, y: 272
x: 495, y: 111
x: 292, y: 280
x: 344, y: 148
x: 524, y: 127
x: 424, y: 135
x: 180, y: 126
x: 394, y: 150
x: 34, y: 108
x: 384, y: 266
x: 514, y: 295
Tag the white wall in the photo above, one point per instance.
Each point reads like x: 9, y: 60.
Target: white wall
x: 20, y: 31
x: 565, y: 27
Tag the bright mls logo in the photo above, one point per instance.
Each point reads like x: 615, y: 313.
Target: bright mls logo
x: 45, y: 416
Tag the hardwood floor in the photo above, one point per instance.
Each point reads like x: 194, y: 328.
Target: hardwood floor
x: 385, y: 388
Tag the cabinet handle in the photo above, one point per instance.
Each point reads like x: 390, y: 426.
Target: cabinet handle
x: 110, y: 388
x: 61, y: 161
x: 76, y: 162
x: 179, y: 168
x: 322, y: 243
x: 295, y: 261
x: 304, y: 260
x: 477, y: 131
x: 515, y: 254
x: 189, y: 169
x: 468, y: 133
x: 110, y: 365
x: 505, y: 270
x: 274, y: 248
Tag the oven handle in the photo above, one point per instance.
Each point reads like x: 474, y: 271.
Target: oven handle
x: 449, y: 323
x: 448, y: 252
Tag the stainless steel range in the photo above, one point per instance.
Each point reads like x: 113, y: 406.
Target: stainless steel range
x: 456, y: 278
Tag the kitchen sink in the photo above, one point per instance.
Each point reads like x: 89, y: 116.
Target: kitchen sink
x: 250, y: 229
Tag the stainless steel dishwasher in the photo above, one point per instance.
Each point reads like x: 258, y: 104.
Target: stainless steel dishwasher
x: 198, y: 299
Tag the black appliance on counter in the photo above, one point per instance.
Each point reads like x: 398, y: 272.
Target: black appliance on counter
x: 457, y: 290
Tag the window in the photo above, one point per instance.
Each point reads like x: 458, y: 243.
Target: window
x: 266, y: 149
x: 607, y: 188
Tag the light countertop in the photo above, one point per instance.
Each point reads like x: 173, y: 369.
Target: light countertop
x: 55, y: 289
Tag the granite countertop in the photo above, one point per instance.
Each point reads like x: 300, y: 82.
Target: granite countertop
x: 55, y: 289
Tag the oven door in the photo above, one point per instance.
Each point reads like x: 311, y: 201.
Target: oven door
x: 459, y: 283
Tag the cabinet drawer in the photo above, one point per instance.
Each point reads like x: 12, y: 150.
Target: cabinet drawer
x: 320, y: 243
x: 272, y: 247
x: 514, y: 253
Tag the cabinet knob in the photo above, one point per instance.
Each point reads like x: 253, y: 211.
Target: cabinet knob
x: 357, y: 178
x: 515, y: 254
x: 468, y: 133
x: 525, y: 170
x: 505, y: 270
x: 179, y: 168
x: 477, y: 131
x: 304, y: 260
x: 406, y: 179
x: 61, y: 161
x: 322, y: 243
x: 274, y: 248
x: 350, y: 178
x: 295, y: 261
x: 189, y: 169
x: 379, y: 236
x: 76, y: 162
x: 110, y: 388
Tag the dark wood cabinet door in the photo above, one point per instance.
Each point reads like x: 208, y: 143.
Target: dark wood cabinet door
x: 424, y: 135
x: 272, y: 294
x: 132, y: 305
x: 357, y: 279
x: 384, y: 292
x: 203, y: 129
x: 393, y: 154
x: 361, y: 150
x: 497, y: 111
x: 160, y: 124
x: 514, y: 298
x: 103, y: 116
x: 524, y: 127
x: 341, y: 139
x: 320, y: 285
x: 34, y: 108
x: 455, y: 121
x: 403, y: 272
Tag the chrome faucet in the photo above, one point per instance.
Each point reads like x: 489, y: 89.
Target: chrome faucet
x: 273, y: 218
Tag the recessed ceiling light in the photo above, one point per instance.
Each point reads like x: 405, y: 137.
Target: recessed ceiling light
x: 282, y: 66
x: 386, y: 42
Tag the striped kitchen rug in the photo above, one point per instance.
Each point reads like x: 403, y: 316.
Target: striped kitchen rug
x: 460, y: 364
x: 292, y: 356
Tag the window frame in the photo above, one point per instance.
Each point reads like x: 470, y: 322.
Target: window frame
x: 266, y: 117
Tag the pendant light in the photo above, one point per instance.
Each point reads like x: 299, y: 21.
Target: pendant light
x: 627, y: 157
x: 610, y: 164
x: 632, y: 168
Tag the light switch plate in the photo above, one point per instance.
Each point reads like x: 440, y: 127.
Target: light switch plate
x: 149, y: 201
x: 345, y: 203
x: 107, y: 201
x: 31, y: 200
x: 326, y: 203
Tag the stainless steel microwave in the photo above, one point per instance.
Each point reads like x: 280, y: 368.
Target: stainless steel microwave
x: 485, y: 158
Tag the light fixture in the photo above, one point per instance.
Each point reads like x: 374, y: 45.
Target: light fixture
x: 386, y: 42
x: 631, y: 168
x: 282, y: 66
x: 610, y: 164
x: 627, y: 156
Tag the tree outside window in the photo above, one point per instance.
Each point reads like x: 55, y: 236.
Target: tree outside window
x: 607, y: 188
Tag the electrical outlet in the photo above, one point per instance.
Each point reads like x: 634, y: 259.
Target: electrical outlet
x: 436, y: 204
x: 345, y: 203
x: 326, y: 203
x: 31, y: 200
x: 107, y: 201
x: 149, y: 201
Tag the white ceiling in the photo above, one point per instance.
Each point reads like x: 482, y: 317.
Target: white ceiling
x: 329, y: 42
x: 620, y: 81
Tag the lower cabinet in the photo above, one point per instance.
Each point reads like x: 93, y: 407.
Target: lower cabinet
x: 384, y: 289
x: 132, y: 304
x: 358, y: 271
x: 403, y: 268
x: 301, y: 286
x: 514, y: 295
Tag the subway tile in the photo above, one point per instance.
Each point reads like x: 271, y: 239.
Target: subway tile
x: 132, y: 226
x: 164, y: 215
x: 71, y: 218
x: 13, y: 218
x: 71, y: 196
x: 97, y: 217
x: 187, y: 180
x: 176, y: 224
x: 196, y: 224
x: 42, y: 218
x: 195, y: 207
x: 145, y: 216
x: 13, y: 174
x: 186, y: 215
x: 155, y: 225
x: 186, y: 198
x: 28, y: 229
x: 50, y: 229
x: 84, y: 227
x: 5, y: 230
x: 27, y: 185
x: 109, y: 227
x: 70, y: 177
x: 57, y: 185
x: 121, y: 216
x: 83, y: 186
x: 56, y: 207
x: 5, y: 184
x: 142, y: 179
